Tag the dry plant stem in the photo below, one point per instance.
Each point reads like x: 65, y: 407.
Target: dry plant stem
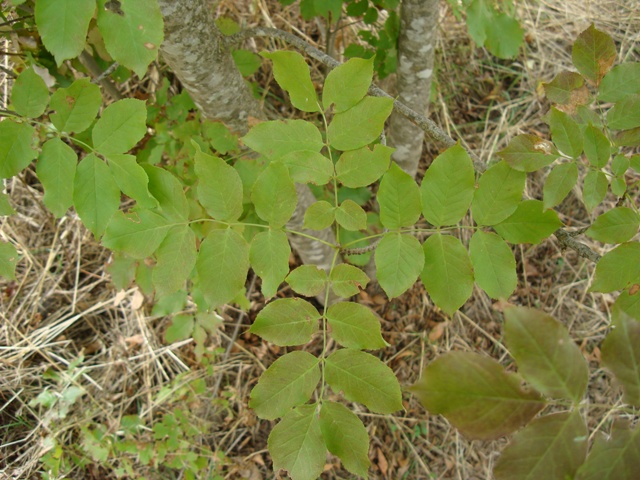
x: 91, y: 65
x: 567, y: 241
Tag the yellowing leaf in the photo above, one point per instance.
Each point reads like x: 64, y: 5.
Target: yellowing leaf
x: 593, y: 54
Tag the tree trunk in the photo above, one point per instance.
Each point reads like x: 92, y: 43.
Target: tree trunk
x: 415, y: 70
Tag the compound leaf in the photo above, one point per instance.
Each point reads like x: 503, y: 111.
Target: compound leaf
x: 551, y: 447
x: 15, y: 147
x: 355, y: 326
x: 29, y: 94
x: 120, y: 127
x: 75, y: 107
x: 365, y: 379
x: 399, y: 199
x: 447, y: 274
x: 138, y: 234
x: 498, y: 194
x: 347, y: 84
x: 56, y: 169
x: 360, y: 125
x: 476, y: 395
x: 618, y: 225
x: 528, y: 153
x: 219, y: 187
x: 175, y: 259
x: 346, y: 437
x: 494, y: 265
x: 222, y: 264
x: 593, y: 54
x: 276, y: 138
x: 292, y: 74
x: 529, y: 223
x: 287, y: 383
x: 399, y: 260
x: 307, y: 280
x: 546, y: 355
x: 274, y: 195
x: 347, y: 280
x: 559, y: 183
x: 287, y: 321
x: 269, y: 256
x: 362, y: 167
x: 448, y: 187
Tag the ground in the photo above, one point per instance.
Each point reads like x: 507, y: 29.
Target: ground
x: 63, y: 308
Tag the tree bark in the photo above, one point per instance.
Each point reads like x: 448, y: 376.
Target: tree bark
x: 416, y: 44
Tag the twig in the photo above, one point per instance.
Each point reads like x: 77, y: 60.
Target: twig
x: 566, y: 240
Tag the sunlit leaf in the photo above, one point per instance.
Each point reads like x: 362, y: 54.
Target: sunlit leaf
x: 306, y: 166
x: 494, y: 265
x: 546, y: 355
x: 274, y: 195
x: 345, y: 437
x: 247, y: 62
x: 362, y: 167
x: 360, y: 125
x: 355, y: 326
x: 276, y: 138
x: 551, y: 447
x: 347, y: 84
x: 476, y: 395
x: 399, y: 260
x: 566, y: 133
x: 399, y: 199
x: 287, y: 321
x: 319, y: 215
x: 365, y: 379
x: 347, y: 280
x: 307, y: 280
x: 15, y: 147
x: 448, y: 187
x: 219, y: 187
x: 447, y: 274
x: 593, y: 54
x: 617, y: 225
x: 618, y: 268
x: 56, y: 169
x: 269, y: 255
x: 120, y: 127
x: 287, y: 383
x: 175, y: 259
x: 137, y: 234
x: 528, y: 153
x: 75, y: 107
x: 292, y: 74
x: 351, y: 216
x: 623, y: 80
x: 498, y: 194
x: 559, y: 183
x: 29, y: 94
x: 529, y: 223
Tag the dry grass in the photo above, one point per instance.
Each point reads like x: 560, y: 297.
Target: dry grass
x: 63, y: 308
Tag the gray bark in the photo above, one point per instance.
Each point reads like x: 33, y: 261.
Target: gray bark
x: 415, y: 71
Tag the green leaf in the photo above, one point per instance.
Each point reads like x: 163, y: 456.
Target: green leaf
x: 75, y: 107
x: 476, y: 395
x: 8, y: 261
x: 546, y: 355
x: 355, y: 326
x: 566, y: 133
x: 306, y: 166
x: 448, y: 187
x: 223, y: 264
x: 287, y: 383
x: 593, y: 54
x: 181, y: 328
x: 351, y: 216
x: 399, y: 260
x: 15, y: 147
x: 559, y: 183
x: 296, y: 444
x: 365, y: 379
x: 618, y: 186
x: 594, y: 189
x: 120, y: 127
x: 623, y: 80
x: 498, y: 194
x: 292, y: 74
x: 133, y: 37
x: 347, y: 84
x: 137, y: 234
x: 96, y: 195
x: 634, y: 162
x: 621, y: 355
x: 346, y: 437
x: 360, y: 125
x: 56, y: 169
x: 550, y: 447
x: 274, y: 195
x: 629, y: 301
x: 567, y: 88
x: 5, y: 206
x: 627, y: 138
x: 362, y: 167
x: 614, y: 457
x: 494, y: 265
x: 504, y: 36
x: 175, y: 259
x: 617, y: 269
x: 399, y: 199
x: 29, y: 94
x: 307, y: 280
x: 620, y: 165
x: 287, y: 321
x: 618, y: 225
x: 597, y: 147
x: 447, y: 274
x: 276, y: 138
x: 167, y: 190
x: 319, y: 215
x: 269, y: 256
x: 528, y: 153
x: 625, y: 114
x: 247, y: 62
x: 219, y: 137
x: 63, y: 25
x: 530, y: 223
x: 219, y: 187
x: 132, y: 179
x: 347, y: 280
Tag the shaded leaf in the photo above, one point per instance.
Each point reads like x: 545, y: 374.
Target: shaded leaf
x: 319, y: 215
x: 476, y: 395
x: 287, y: 383
x: 269, y: 255
x: 131, y: 179
x: 546, y: 355
x: 274, y: 195
x: 627, y: 138
x: 551, y: 447
x: 559, y: 183
x: 219, y: 187
x: 137, y: 234
x: 629, y: 301
x: 175, y: 258
x: 346, y: 437
x: 355, y: 326
x: 498, y: 194
x: 365, y: 379
x: 594, y: 189
x: 566, y: 133
x: 360, y: 125
x: 399, y: 260
x: 8, y: 260
x: 351, y: 216
x: 276, y: 138
x: 120, y: 127
x: 623, y: 80
x: 29, y: 94
x: 347, y: 280
x: 448, y: 187
x: 399, y: 199
x: 5, y: 206
x: 287, y: 321
x: 494, y: 265
x: 222, y: 264
x: 625, y: 114
x: 618, y: 225
x: 362, y: 167
x: 56, y: 169
x: 15, y: 147
x: 447, y: 274
x: 347, y: 84
x: 306, y: 166
x: 593, y: 54
x: 307, y: 280
x: 75, y: 107
x: 181, y: 328
x: 529, y: 223
x: 168, y: 191
x: 292, y: 74
x: 528, y: 153
x: 617, y: 269
x: 597, y: 147
x: 620, y: 165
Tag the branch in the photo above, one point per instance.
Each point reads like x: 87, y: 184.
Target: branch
x: 566, y: 240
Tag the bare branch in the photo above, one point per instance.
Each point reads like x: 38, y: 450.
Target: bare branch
x: 566, y: 240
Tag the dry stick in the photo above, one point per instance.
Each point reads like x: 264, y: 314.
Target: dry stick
x: 432, y: 130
